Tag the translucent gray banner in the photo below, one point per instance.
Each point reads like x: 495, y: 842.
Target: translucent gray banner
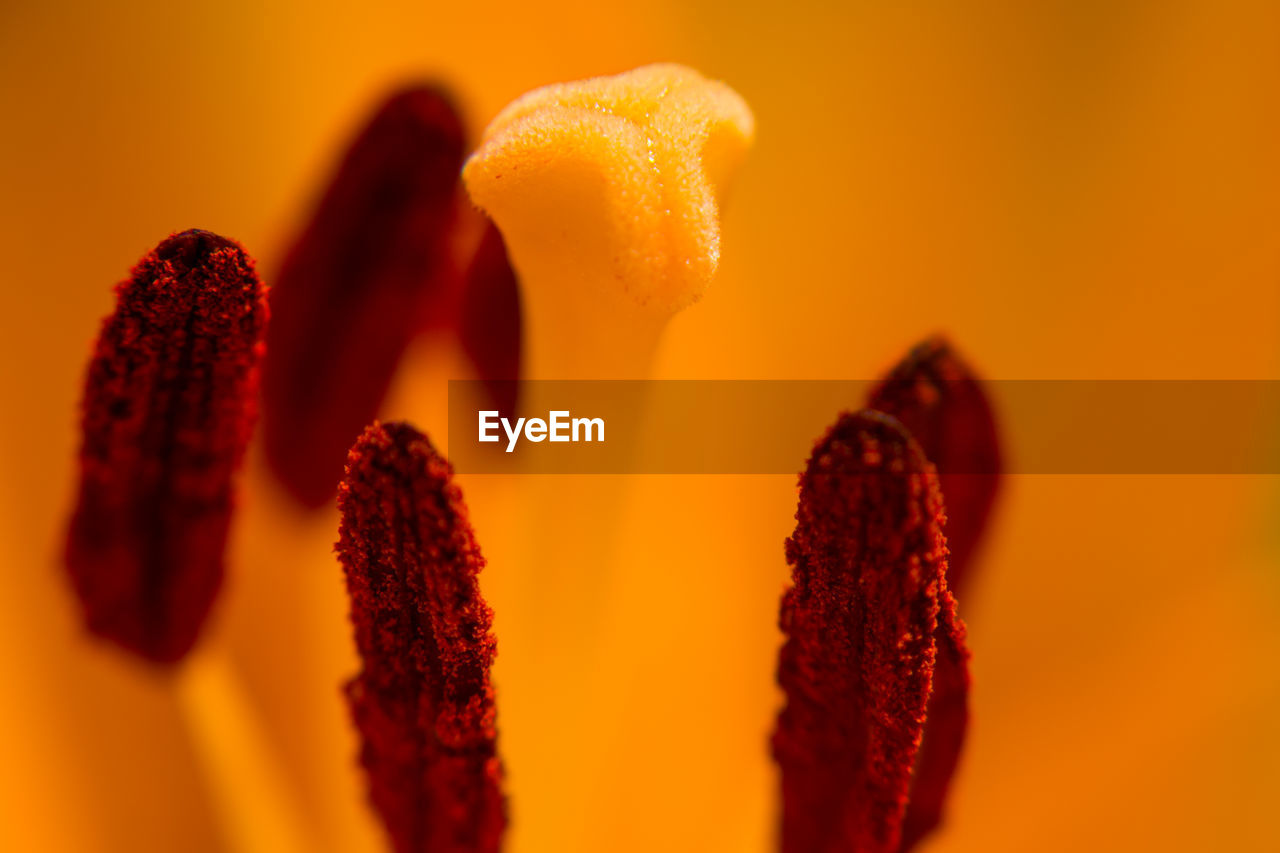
x: 769, y: 427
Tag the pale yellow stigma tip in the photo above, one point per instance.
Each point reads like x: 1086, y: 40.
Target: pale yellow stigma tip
x: 614, y: 184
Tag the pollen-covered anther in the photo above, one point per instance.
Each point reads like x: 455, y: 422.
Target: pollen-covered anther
x: 861, y: 619
x: 936, y: 395
x: 423, y: 701
x: 168, y: 408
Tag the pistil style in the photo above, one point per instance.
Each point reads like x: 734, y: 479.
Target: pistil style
x: 607, y: 193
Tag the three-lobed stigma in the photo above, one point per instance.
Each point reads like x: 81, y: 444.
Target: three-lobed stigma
x: 615, y: 183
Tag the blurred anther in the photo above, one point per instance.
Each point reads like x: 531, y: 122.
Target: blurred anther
x: 940, y: 401
x: 354, y: 289
x: 490, y: 325
x: 168, y: 409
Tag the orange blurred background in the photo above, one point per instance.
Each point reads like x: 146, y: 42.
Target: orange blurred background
x: 1074, y: 190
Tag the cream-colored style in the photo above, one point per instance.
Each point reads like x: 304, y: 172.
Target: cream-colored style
x: 607, y: 192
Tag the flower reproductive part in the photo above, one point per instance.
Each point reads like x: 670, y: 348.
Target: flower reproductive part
x: 352, y: 291
x: 861, y: 619
x: 168, y: 409
x: 423, y: 701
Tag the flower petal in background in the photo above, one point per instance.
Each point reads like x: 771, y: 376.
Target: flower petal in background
x: 1082, y: 191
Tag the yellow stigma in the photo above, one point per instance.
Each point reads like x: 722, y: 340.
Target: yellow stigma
x: 607, y: 193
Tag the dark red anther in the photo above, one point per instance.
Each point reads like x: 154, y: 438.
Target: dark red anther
x: 868, y: 562
x: 490, y: 325
x: 423, y: 702
x: 352, y: 292
x: 945, y: 728
x: 941, y: 403
x: 168, y: 409
x: 936, y: 396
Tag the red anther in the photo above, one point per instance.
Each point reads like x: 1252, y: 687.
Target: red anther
x: 937, y: 397
x: 941, y: 403
x: 352, y: 292
x: 945, y: 728
x: 490, y: 326
x: 423, y: 701
x: 168, y: 409
x: 868, y: 562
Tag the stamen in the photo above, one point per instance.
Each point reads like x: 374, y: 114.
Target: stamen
x: 940, y: 401
x: 945, y: 727
x: 351, y: 293
x: 869, y: 574
x: 423, y: 702
x: 607, y: 192
x: 490, y: 326
x: 936, y: 396
x: 167, y: 412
